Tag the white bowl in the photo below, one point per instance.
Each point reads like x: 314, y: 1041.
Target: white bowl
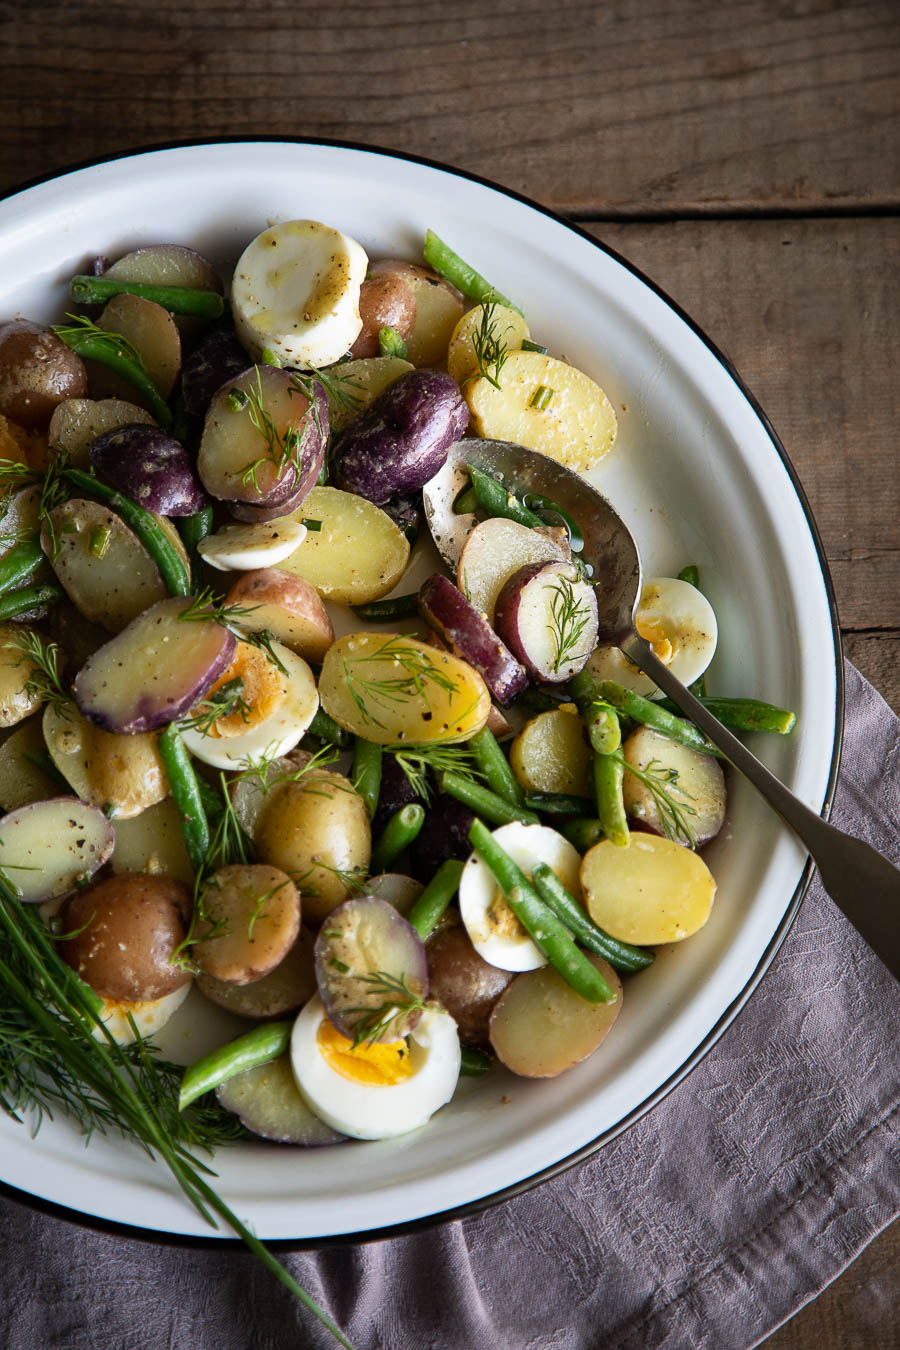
x: 699, y: 476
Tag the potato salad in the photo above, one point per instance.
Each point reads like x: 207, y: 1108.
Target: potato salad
x: 404, y: 831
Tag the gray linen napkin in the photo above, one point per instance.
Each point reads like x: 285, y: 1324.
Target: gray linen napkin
x: 707, y: 1224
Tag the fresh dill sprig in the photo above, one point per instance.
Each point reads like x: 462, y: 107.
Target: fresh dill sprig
x: 353, y: 879
x: 222, y: 702
x: 114, y: 342
x: 417, y: 671
x: 46, y: 682
x: 662, y: 784
x: 398, y: 1001
x: 416, y: 760
x: 490, y: 351
x: 281, y: 450
x: 345, y: 391
x: 569, y: 617
x: 207, y: 607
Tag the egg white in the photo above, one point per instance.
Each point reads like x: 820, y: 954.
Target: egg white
x: 367, y: 1111
x: 272, y: 737
x: 680, y: 613
x: 508, y: 946
x: 241, y: 548
x: 149, y: 1015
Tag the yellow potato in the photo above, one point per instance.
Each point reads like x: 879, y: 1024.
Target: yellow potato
x: 153, y: 842
x: 123, y: 775
x: 358, y: 555
x: 360, y: 382
x: 251, y: 920
x: 16, y: 671
x: 577, y: 426
x: 389, y: 687
x: 551, y: 754
x: 655, y: 891
x: 506, y: 327
x: 21, y: 781
x: 540, y: 1026
x: 317, y: 830
x: 77, y: 422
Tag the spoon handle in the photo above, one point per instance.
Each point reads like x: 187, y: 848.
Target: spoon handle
x: 865, y: 885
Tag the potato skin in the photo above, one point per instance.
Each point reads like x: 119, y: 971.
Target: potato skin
x: 150, y: 466
x: 37, y: 372
x: 126, y: 930
x: 386, y: 300
x: 465, y: 984
x: 289, y: 606
x: 402, y: 439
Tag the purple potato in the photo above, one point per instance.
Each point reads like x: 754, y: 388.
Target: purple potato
x: 469, y: 636
x: 266, y: 1101
x: 149, y: 466
x: 546, y: 614
x: 406, y: 511
x: 464, y: 983
x: 154, y: 671
x: 365, y: 938
x: 444, y: 835
x: 402, y: 439
x: 217, y: 358
x: 258, y: 515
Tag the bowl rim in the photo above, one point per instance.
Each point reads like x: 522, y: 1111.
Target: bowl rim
x: 54, y: 1209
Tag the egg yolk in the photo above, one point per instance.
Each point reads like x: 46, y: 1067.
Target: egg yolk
x: 652, y: 631
x: 264, y: 689
x: 378, y: 1065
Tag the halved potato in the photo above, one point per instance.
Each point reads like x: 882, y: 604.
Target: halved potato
x: 153, y: 842
x: 573, y: 423
x: 653, y: 892
x: 540, y: 1026
x: 21, y: 779
x: 551, y: 754
x: 20, y: 518
x: 51, y: 847
x: 494, y: 551
x: 17, y: 699
x: 505, y: 327
x: 438, y: 309
x: 360, y: 382
x: 358, y: 553
x: 388, y: 687
x: 287, y: 605
x: 152, y: 332
x: 251, y: 920
x: 284, y: 990
x: 79, y: 421
x: 123, y: 775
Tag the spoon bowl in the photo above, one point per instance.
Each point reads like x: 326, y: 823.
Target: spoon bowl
x: 864, y: 884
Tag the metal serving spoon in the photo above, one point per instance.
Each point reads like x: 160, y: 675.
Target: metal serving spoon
x: 865, y: 885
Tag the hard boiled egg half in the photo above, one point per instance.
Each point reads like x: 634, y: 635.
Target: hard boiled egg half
x: 679, y: 623
x: 496, y: 934
x: 278, y: 702
x: 146, y: 1018
x: 374, y: 1091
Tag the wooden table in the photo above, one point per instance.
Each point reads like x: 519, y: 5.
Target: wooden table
x: 743, y: 154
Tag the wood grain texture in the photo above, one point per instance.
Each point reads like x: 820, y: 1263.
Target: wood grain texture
x: 640, y: 107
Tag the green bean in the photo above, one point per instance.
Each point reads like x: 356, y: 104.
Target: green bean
x: 529, y: 346
x: 386, y: 611
x: 96, y: 346
x: 88, y: 290
x: 534, y: 501
x: 20, y: 563
x: 537, y: 700
x: 546, y: 931
x: 466, y: 501
x: 211, y: 798
x: 397, y: 835
x: 390, y: 343
x: 745, y: 714
x: 622, y: 955
x: 600, y: 718
x: 690, y: 574
x: 495, y: 766
x: 558, y: 803
x: 482, y: 801
x: 471, y: 284
x: 366, y: 773
x: 435, y: 898
x: 186, y: 794
x: 191, y: 530
x: 256, y: 1047
x: 609, y: 774
x: 143, y: 523
x: 327, y: 729
x: 652, y: 715
x: 29, y: 597
x: 497, y: 500
x: 583, y: 832
x: 474, y: 1063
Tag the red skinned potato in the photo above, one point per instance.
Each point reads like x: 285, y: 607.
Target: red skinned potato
x: 263, y: 440
x: 37, y: 372
x: 288, y: 606
x: 439, y: 307
x: 151, y: 330
x: 154, y: 670
x: 469, y: 636
x: 694, y: 781
x: 402, y: 439
x: 464, y: 983
x: 547, y: 615
x: 386, y: 300
x: 125, y: 931
x: 149, y: 466
x: 365, y: 937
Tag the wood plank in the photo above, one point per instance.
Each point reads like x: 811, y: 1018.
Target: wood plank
x: 807, y: 311
x: 629, y: 109
x: 877, y: 655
